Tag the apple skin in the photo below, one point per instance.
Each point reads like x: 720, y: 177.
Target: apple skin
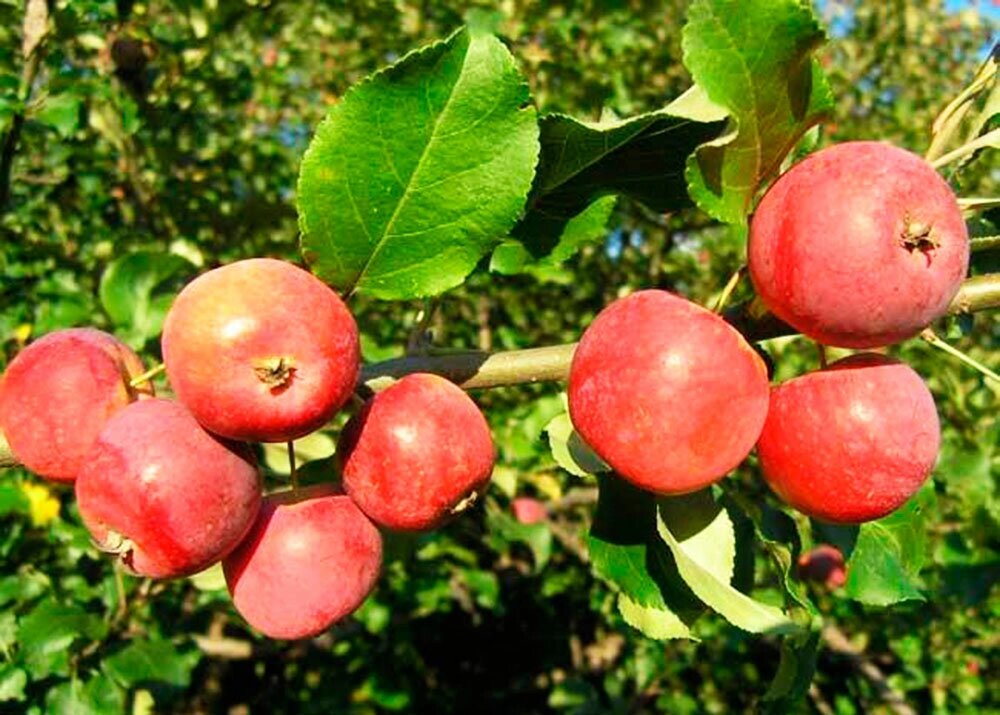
x: 167, y: 497
x: 529, y: 511
x: 666, y: 392
x: 850, y: 443
x: 57, y: 394
x: 261, y: 350
x: 416, y: 454
x: 837, y: 249
x: 823, y: 564
x: 310, y: 560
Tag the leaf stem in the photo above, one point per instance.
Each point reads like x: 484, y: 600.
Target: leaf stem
x: 731, y: 284
x: 292, y: 467
x: 145, y: 377
x: 931, y: 337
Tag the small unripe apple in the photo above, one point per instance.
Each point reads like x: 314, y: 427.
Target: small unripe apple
x: 859, y: 245
x: 529, y: 511
x: 167, y: 497
x: 666, y: 392
x: 261, y: 350
x: 57, y: 394
x: 416, y: 454
x: 850, y: 443
x: 310, y: 560
x: 823, y: 564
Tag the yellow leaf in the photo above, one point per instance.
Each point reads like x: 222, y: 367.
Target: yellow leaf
x: 43, y: 506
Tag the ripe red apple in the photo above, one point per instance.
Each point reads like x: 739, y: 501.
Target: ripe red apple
x: 859, y: 245
x: 57, y: 394
x: 850, y: 443
x: 416, y: 454
x: 164, y: 495
x: 529, y: 511
x: 310, y: 560
x: 666, y: 392
x: 261, y: 350
x: 823, y: 564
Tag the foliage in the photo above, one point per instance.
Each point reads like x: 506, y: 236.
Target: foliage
x: 161, y: 138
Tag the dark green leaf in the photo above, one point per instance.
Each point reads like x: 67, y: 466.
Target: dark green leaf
x: 795, y: 672
x: 765, y: 77
x: 537, y: 537
x: 12, y: 500
x: 61, y: 112
x: 98, y: 696
x: 419, y: 171
x: 46, y: 633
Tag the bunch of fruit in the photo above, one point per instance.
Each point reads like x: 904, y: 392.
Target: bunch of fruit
x: 860, y: 245
x: 256, y: 351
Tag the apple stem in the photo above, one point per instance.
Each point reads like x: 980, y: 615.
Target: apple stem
x: 293, y: 472
x: 731, y: 284
x: 145, y: 377
x: 821, y: 349
x: 931, y: 337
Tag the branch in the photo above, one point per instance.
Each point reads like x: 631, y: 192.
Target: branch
x: 838, y: 643
x: 475, y: 369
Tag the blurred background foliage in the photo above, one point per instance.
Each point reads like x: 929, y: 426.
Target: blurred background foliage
x: 152, y: 140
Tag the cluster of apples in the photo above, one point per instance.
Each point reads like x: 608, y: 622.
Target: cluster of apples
x: 859, y: 245
x: 255, y: 351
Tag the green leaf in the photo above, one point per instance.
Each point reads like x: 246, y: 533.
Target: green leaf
x: 626, y: 553
x: 657, y: 623
x: 46, y: 633
x: 151, y: 664
x: 700, y: 536
x: 506, y: 529
x: 795, y: 672
x: 752, y: 57
x: 570, y: 451
x: 12, y: 682
x: 61, y: 112
x: 419, y: 171
x: 12, y: 500
x: 582, y: 162
x: 889, y: 553
x: 129, y: 295
x: 98, y: 696
x: 512, y: 257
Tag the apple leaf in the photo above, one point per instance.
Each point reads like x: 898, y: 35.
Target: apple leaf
x: 512, y: 256
x: 419, y: 171
x: 626, y: 553
x: 47, y: 632
x: 795, y: 672
x: 769, y: 83
x: 61, y: 112
x: 700, y: 536
x: 570, y: 451
x: 581, y: 162
x: 145, y: 662
x: 505, y: 529
x: 883, y: 569
x: 130, y: 297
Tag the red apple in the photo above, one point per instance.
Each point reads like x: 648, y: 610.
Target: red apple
x: 261, y: 350
x: 850, y: 443
x: 310, y: 560
x: 825, y: 565
x: 167, y: 497
x: 57, y: 394
x: 416, y: 454
x: 666, y: 392
x: 529, y: 511
x: 861, y: 244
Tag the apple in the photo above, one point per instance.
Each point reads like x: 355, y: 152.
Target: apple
x: 666, y: 392
x: 162, y: 494
x: 57, y: 394
x: 310, y: 560
x: 416, y: 454
x: 859, y: 245
x: 261, y: 350
x: 823, y: 564
x: 850, y: 443
x: 529, y: 511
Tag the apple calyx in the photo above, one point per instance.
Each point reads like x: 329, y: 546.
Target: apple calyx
x: 918, y: 236
x: 275, y: 372
x: 119, y: 545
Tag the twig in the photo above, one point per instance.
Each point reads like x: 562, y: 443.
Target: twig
x: 837, y: 642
